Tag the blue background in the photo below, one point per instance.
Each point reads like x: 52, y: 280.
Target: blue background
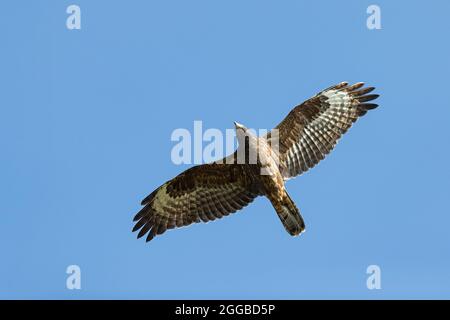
x: 85, y: 125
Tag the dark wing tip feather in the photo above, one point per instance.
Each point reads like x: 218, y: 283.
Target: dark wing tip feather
x: 364, y: 91
x: 146, y: 227
x: 368, y: 106
x: 151, y: 223
x: 138, y: 225
x: 362, y: 96
x: 145, y: 221
x: 150, y: 228
x: 150, y: 235
x: 140, y: 214
x: 354, y: 86
x: 368, y: 97
x: 149, y: 198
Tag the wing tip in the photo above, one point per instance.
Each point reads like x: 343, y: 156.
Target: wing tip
x: 338, y: 86
x: 368, y: 97
x: 368, y: 106
x: 361, y: 96
x: 150, y: 236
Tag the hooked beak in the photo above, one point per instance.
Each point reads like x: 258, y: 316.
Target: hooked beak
x: 238, y: 125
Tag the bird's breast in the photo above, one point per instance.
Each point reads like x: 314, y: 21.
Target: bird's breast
x: 270, y: 177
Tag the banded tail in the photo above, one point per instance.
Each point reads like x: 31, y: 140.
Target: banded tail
x: 289, y: 215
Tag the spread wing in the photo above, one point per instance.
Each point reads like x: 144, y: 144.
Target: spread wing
x: 200, y: 194
x: 311, y: 130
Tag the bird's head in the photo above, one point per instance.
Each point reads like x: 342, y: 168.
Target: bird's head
x: 243, y: 134
x: 240, y: 127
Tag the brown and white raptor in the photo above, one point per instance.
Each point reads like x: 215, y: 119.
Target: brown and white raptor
x: 207, y: 192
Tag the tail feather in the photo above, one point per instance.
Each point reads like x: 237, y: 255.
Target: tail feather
x: 290, y: 216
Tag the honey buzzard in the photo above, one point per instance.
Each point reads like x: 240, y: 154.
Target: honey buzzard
x: 210, y: 191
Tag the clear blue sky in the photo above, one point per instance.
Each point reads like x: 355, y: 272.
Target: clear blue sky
x: 85, y: 125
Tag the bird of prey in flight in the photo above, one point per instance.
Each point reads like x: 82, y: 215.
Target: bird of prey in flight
x: 210, y: 191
